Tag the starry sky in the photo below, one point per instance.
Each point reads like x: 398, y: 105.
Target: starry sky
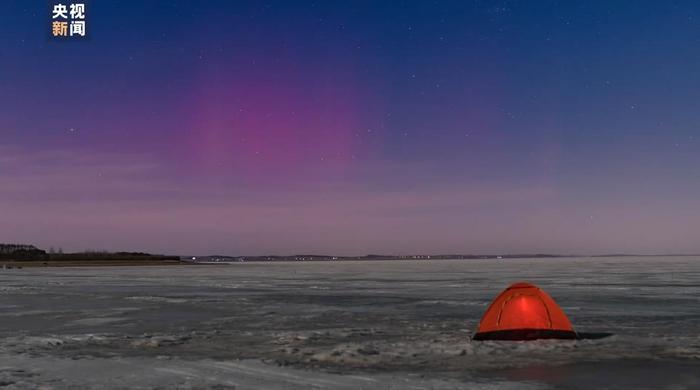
x: 353, y: 127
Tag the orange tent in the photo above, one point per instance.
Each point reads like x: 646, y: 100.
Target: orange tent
x: 524, y: 312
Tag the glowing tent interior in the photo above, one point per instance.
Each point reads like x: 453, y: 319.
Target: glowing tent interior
x: 523, y: 311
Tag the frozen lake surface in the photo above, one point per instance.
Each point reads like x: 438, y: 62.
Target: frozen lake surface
x: 346, y: 325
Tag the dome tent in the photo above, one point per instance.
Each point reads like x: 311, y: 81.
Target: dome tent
x: 523, y: 311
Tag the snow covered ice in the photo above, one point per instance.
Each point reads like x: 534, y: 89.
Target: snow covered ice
x: 346, y: 325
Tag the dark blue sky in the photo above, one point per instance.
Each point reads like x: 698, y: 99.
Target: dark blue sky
x: 354, y: 127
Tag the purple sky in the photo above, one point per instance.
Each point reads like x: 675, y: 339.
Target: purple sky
x: 369, y: 127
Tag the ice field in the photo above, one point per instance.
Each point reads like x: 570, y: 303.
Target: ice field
x: 346, y: 325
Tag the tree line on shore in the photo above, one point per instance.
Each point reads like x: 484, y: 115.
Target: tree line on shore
x: 24, y: 252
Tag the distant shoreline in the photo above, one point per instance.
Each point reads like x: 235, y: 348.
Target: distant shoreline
x: 222, y: 260
x: 212, y: 259
x: 10, y: 264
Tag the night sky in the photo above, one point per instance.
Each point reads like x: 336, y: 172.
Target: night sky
x: 353, y: 127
